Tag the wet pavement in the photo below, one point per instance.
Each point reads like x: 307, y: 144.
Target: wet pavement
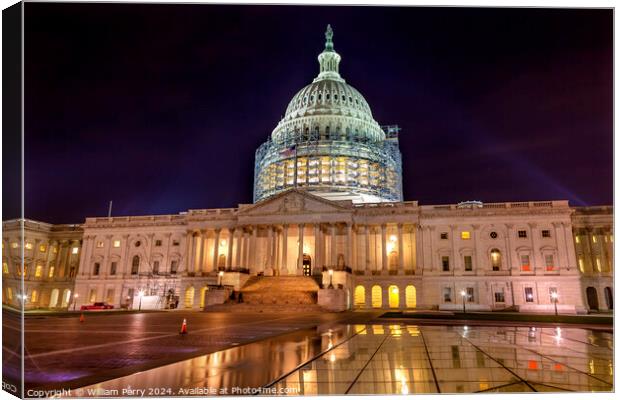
x: 62, y: 353
x: 387, y: 359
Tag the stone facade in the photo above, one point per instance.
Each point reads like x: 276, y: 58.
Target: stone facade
x: 382, y: 255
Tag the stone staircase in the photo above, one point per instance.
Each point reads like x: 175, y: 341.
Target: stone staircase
x: 280, y: 290
x: 265, y: 308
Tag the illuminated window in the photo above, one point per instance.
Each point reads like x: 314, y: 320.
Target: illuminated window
x: 581, y: 266
x: 549, y: 262
x: 34, y: 297
x: 525, y: 262
x: 443, y: 235
x: 546, y: 233
x: 465, y: 235
x: 74, y: 250
x: 54, y: 249
x: 522, y: 234
x: 576, y: 239
x: 117, y: 243
x: 42, y: 248
x: 5, y: 268
x: 496, y: 259
x: 29, y: 246
x: 38, y: 271
x: 51, y: 273
x: 92, y: 296
x: 611, y: 238
x: 14, y: 245
x: 9, y: 293
x: 598, y: 264
x: 593, y: 239
x: 529, y: 294
x: 99, y: 244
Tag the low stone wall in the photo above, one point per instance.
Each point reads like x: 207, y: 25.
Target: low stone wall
x: 333, y: 299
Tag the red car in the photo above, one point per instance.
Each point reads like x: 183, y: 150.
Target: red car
x: 97, y: 306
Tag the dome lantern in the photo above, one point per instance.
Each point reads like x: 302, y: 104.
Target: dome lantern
x: 329, y: 60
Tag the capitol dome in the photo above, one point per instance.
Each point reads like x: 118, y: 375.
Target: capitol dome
x: 329, y: 143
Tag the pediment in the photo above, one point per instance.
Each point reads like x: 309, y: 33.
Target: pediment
x: 294, y: 201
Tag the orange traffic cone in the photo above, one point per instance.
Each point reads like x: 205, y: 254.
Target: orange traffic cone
x: 82, y: 317
x: 184, y: 327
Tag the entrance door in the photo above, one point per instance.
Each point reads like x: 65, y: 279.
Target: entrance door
x: 592, y: 298
x: 307, y: 265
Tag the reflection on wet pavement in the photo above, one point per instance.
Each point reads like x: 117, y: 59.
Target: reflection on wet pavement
x: 396, y: 359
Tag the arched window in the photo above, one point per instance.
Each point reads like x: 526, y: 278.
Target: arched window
x: 393, y: 296
x: 496, y: 259
x: 135, y: 265
x: 34, y: 297
x: 359, y: 296
x: 410, y: 296
x: 376, y: 296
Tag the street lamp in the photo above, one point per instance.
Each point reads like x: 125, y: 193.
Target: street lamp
x: 75, y: 296
x: 219, y: 278
x: 554, y: 297
x: 140, y: 294
x: 463, y: 294
x: 331, y: 277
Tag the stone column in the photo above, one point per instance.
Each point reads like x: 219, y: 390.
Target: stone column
x: 348, y: 248
x: 539, y: 265
x: 317, y: 245
x: 453, y: 263
x: 367, y: 261
x: 401, y: 255
x: 419, y: 244
x: 201, y: 252
x: 514, y: 264
x: 252, y: 254
x: 354, y: 262
x: 125, y: 256
x: 269, y: 263
x: 571, y: 257
x: 216, y: 249
x: 231, y: 238
x: 333, y: 253
x: 284, y: 266
x: 238, y: 262
x: 81, y: 266
x: 300, y: 255
x: 189, y: 251
x: 384, y: 258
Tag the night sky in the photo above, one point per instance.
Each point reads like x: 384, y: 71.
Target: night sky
x: 160, y: 108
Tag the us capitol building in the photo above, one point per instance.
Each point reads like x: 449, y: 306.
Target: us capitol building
x: 328, y: 228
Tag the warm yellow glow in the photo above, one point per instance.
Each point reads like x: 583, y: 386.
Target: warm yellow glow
x: 401, y: 377
x: 223, y: 243
x: 377, y: 330
x: 593, y: 239
x: 413, y: 330
x: 394, y: 298
x: 591, y: 366
x: 359, y: 296
x: 38, y: 271
x: 598, y: 264
x: 54, y: 249
x: 410, y: 296
x: 75, y: 250
x: 360, y: 329
x: 5, y: 268
x: 34, y: 297
x: 465, y: 235
x: 393, y: 238
x: 14, y: 245
x: 29, y: 246
x: 376, y: 296
x: 9, y: 293
x: 576, y: 239
x: 42, y: 248
x: 100, y: 244
x: 116, y: 243
x: 581, y: 266
x: 51, y: 273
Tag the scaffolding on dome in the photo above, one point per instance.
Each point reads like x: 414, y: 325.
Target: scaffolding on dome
x: 348, y: 166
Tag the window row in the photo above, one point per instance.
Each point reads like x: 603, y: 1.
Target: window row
x: 117, y: 243
x: 135, y: 267
x: 496, y: 262
x: 468, y: 295
x: 521, y: 234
